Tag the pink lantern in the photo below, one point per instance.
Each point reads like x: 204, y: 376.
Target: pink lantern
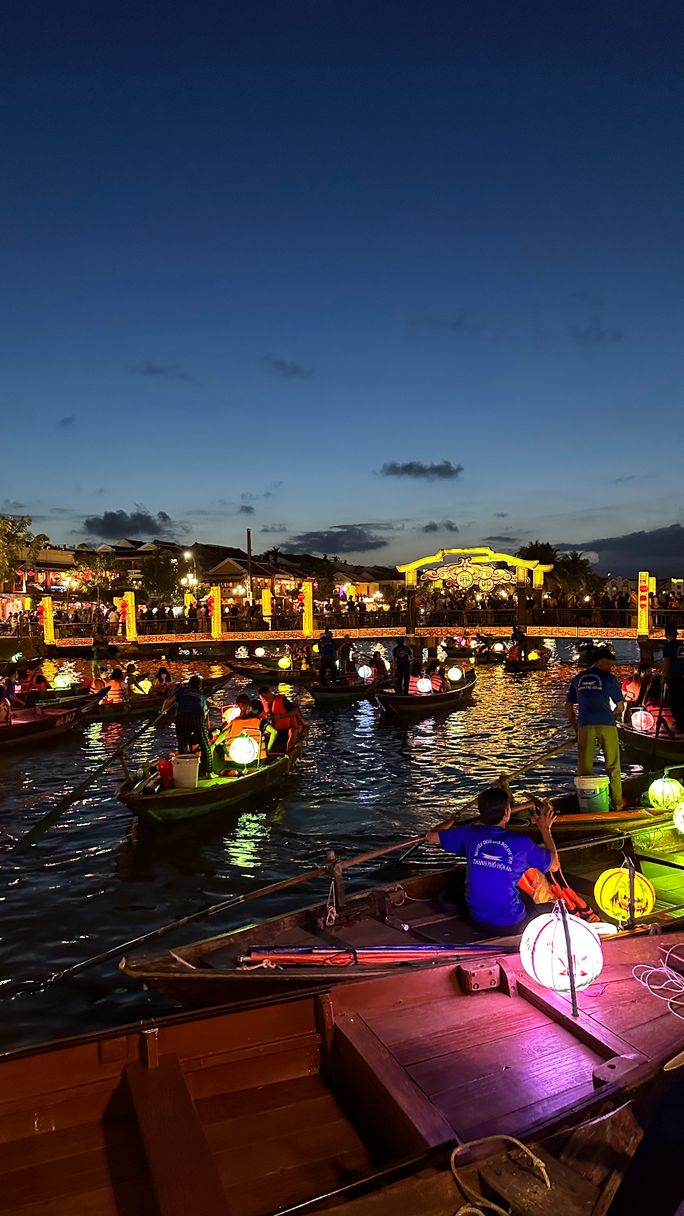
x: 642, y: 720
x: 544, y: 954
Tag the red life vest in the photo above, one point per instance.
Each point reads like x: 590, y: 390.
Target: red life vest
x: 282, y: 718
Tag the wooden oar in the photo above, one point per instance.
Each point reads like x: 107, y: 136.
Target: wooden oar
x: 554, y: 751
x: 79, y: 790
x: 233, y: 902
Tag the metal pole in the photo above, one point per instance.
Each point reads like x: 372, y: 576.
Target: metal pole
x: 250, y: 593
x: 631, y: 908
x: 571, y: 966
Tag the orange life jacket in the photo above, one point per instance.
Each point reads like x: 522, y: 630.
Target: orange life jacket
x: 116, y: 692
x: 282, y: 718
x: 437, y: 681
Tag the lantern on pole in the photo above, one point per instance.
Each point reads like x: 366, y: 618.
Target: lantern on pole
x: 642, y: 720
x: 665, y: 793
x: 243, y: 749
x: 624, y: 894
x: 545, y: 955
x: 364, y: 672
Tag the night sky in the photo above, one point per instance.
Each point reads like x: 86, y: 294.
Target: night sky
x: 372, y: 277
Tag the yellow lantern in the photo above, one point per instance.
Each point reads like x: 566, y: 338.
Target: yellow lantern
x: 229, y: 713
x: 144, y: 685
x: 244, y: 749
x: 424, y: 685
x: 665, y: 793
x: 533, y: 656
x: 544, y: 954
x: 285, y: 662
x: 642, y: 720
x: 455, y: 674
x: 678, y: 817
x: 611, y: 892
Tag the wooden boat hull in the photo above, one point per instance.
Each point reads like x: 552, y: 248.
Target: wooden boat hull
x: 344, y: 694
x: 521, y: 665
x: 140, y: 705
x: 333, y: 1095
x: 210, y: 796
x: 263, y: 674
x: 431, y: 703
x: 659, y: 752
x: 32, y: 728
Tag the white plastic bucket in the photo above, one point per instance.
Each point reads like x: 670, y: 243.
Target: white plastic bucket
x: 185, y: 770
x: 592, y: 793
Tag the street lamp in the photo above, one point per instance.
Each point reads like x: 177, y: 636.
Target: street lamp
x: 190, y: 557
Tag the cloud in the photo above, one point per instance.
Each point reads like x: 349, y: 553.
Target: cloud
x: 273, y: 528
x: 12, y: 506
x: 621, y: 481
x: 444, y: 471
x: 340, y: 538
x: 245, y: 509
x: 67, y: 420
x: 502, y: 540
x: 501, y: 515
x: 289, y: 370
x: 594, y: 333
x: 164, y: 371
x: 660, y: 551
x: 461, y: 323
x: 113, y: 525
x: 444, y: 525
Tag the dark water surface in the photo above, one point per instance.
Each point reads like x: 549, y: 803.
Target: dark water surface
x: 96, y: 879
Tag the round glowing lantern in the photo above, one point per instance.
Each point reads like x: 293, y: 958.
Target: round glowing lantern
x: 544, y: 954
x: 498, y: 647
x: 364, y: 672
x: 144, y: 685
x: 611, y: 892
x: 259, y: 652
x: 285, y: 662
x: 665, y: 793
x: 62, y: 680
x: 473, y: 645
x: 314, y: 648
x: 642, y: 720
x: 244, y: 749
x: 678, y: 817
x: 229, y: 713
x: 533, y: 656
x: 455, y: 674
x: 423, y: 684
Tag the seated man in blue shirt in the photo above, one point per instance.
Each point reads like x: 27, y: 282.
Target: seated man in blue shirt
x: 592, y: 692
x: 496, y: 861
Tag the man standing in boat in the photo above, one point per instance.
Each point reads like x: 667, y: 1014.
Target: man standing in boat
x: 402, y: 658
x: 327, y: 650
x: 598, y: 696
x: 673, y: 672
x: 496, y: 860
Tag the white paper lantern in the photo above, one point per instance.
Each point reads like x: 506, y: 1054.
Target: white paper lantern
x: 455, y: 674
x: 424, y: 685
x: 244, y: 749
x: 364, y: 672
x: 544, y: 955
x: 259, y: 652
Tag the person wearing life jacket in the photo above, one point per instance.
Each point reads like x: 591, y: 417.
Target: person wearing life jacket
x: 435, y: 675
x: 117, y: 692
x: 285, y: 717
x: 251, y: 721
x: 414, y: 677
x: 36, y: 686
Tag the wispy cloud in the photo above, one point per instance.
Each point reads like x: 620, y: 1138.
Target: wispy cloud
x: 660, y: 551
x: 288, y: 369
x: 11, y: 506
x: 443, y: 471
x: 162, y: 371
x: 246, y: 509
x: 621, y: 481
x: 500, y: 515
x: 67, y: 420
x: 594, y: 333
x: 460, y: 324
x: 272, y: 528
x: 443, y: 525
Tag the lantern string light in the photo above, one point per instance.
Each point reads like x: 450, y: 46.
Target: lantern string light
x: 664, y: 983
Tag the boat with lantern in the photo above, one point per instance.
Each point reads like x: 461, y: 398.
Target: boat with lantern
x: 428, y: 702
x: 639, y: 738
x: 346, y: 693
x: 538, y: 656
x: 268, y: 673
x: 38, y: 727
x: 140, y: 704
x: 353, y: 1096
x: 153, y: 802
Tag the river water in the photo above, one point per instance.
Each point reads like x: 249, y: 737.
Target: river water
x: 96, y: 879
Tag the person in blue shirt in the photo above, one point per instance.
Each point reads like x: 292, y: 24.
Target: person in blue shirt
x: 191, y: 721
x: 673, y: 671
x: 327, y: 651
x: 591, y: 692
x: 496, y: 860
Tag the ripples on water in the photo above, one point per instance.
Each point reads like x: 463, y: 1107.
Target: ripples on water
x: 95, y: 879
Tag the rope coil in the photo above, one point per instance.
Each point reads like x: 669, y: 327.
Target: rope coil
x: 663, y: 982
x: 476, y: 1204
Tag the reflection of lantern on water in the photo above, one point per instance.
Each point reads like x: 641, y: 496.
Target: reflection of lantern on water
x: 259, y: 652
x: 641, y: 719
x: 665, y: 793
x: 544, y: 953
x: 285, y: 662
x: 612, y: 893
x: 455, y: 674
x: 678, y: 817
x: 423, y: 684
x: 229, y: 713
x: 244, y: 749
x: 364, y: 672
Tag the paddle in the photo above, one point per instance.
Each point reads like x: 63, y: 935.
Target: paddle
x: 233, y: 902
x: 77, y: 792
x: 554, y: 751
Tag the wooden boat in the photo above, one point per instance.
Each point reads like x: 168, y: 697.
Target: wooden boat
x: 351, y: 1096
x: 150, y: 802
x: 343, y: 694
x: 262, y: 673
x: 38, y: 727
x: 526, y: 664
x: 138, y: 705
x: 663, y: 750
x: 429, y: 703
x: 415, y: 911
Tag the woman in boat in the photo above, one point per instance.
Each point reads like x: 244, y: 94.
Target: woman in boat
x: 435, y: 674
x: 163, y: 683
x: 5, y: 707
x: 37, y: 685
x: 378, y: 667
x: 496, y: 861
x: 415, y: 676
x: 117, y: 691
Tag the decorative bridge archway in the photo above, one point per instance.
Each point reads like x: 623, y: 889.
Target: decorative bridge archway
x: 479, y: 568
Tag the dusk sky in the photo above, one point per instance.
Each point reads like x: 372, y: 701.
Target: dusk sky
x: 372, y: 277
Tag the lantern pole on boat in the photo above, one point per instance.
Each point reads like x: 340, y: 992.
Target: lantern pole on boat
x: 659, y: 719
x: 250, y: 586
x: 571, y: 964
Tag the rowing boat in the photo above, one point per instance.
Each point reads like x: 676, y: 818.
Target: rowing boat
x: 520, y: 665
x: 352, y: 1096
x: 150, y: 802
x: 38, y: 727
x: 664, y: 749
x: 261, y: 673
x: 420, y: 704
x: 343, y: 694
x: 138, y: 705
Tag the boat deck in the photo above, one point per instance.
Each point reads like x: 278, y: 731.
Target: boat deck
x: 245, y: 1112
